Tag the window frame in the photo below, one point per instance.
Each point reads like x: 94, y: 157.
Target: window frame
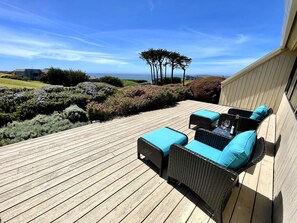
x: 292, y: 87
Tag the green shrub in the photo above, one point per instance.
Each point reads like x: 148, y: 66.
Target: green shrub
x: 137, y: 81
x: 5, y: 118
x: 38, y: 126
x: 167, y: 80
x: 14, y: 77
x: 99, y: 111
x: 207, y: 89
x: 58, y: 76
x: 98, y: 91
x: 130, y: 101
x: 112, y: 81
x: 75, y: 114
x: 23, y: 104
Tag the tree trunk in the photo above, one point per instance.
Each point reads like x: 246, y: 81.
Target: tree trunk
x: 157, y: 74
x: 184, y: 77
x: 161, y: 74
x: 152, y: 76
x: 172, y: 68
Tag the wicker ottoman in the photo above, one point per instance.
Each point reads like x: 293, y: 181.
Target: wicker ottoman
x: 155, y: 145
x: 204, y: 119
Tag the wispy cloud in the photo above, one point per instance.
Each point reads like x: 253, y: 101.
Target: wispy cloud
x: 33, y: 47
x: 241, y: 39
x: 220, y: 66
x: 151, y: 4
x: 13, y: 13
x: 74, y: 38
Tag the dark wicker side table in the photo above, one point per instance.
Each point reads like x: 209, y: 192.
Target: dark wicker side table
x: 155, y: 145
x: 223, y: 132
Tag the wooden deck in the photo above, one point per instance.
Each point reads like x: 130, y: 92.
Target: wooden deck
x: 92, y: 174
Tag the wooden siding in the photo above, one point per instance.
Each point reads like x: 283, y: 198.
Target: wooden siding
x: 292, y: 41
x: 92, y: 174
x: 285, y: 170
x: 264, y: 84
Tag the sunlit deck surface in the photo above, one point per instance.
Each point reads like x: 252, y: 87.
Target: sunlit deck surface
x: 92, y: 174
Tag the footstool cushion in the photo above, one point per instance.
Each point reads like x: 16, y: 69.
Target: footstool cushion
x: 155, y: 145
x: 204, y: 119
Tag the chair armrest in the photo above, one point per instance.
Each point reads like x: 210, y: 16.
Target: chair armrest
x: 207, y: 137
x: 209, y: 180
x: 240, y: 112
x: 244, y: 124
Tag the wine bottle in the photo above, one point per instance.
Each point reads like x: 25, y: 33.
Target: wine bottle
x: 234, y: 127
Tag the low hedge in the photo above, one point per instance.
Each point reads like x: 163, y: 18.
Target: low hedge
x: 42, y: 125
x: 23, y: 104
x: 134, y: 100
x: 117, y: 82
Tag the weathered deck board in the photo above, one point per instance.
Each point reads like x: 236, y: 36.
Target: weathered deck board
x: 91, y: 174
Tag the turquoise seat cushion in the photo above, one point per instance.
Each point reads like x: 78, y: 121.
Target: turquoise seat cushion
x: 238, y: 152
x: 204, y: 150
x: 163, y: 138
x: 259, y: 113
x: 213, y: 116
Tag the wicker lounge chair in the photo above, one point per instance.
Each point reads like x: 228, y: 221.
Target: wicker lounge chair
x: 245, y: 121
x: 212, y: 182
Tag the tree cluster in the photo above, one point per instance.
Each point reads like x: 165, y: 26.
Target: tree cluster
x: 58, y: 76
x: 161, y: 58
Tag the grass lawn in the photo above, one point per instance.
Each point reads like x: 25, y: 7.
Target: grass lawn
x: 128, y: 83
x: 131, y: 83
x: 6, y: 82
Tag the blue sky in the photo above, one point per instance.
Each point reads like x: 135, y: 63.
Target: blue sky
x: 221, y: 36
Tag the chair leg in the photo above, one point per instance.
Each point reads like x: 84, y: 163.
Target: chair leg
x: 161, y: 168
x: 168, y: 180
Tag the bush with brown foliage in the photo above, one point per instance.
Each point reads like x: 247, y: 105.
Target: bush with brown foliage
x: 206, y: 89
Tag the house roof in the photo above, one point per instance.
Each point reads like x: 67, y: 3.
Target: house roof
x: 289, y: 25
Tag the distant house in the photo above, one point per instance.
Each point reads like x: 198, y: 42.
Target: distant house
x: 31, y: 74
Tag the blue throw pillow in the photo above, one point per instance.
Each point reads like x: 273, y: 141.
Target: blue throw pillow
x: 238, y: 152
x: 260, y: 113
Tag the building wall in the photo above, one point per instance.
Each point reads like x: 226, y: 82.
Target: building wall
x: 261, y: 83
x: 285, y: 166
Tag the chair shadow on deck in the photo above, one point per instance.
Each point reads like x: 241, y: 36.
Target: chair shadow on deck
x: 249, y: 204
x: 243, y: 203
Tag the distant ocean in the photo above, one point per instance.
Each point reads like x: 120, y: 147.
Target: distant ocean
x: 128, y: 76
x: 123, y: 76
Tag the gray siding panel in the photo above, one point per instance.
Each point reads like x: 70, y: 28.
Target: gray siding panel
x: 264, y: 84
x: 285, y: 167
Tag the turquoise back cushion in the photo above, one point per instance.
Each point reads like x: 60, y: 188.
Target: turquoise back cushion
x: 208, y: 114
x: 204, y: 150
x: 238, y: 152
x: 259, y: 113
x: 163, y: 138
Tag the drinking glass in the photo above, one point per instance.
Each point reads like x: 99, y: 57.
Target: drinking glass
x: 223, y: 125
x: 226, y: 123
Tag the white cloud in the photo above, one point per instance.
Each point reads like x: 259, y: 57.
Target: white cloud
x: 38, y: 47
x: 241, y: 39
x: 13, y: 13
x: 151, y: 4
x: 74, y: 38
x: 232, y: 62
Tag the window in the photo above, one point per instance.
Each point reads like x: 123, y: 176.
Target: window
x: 291, y: 90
